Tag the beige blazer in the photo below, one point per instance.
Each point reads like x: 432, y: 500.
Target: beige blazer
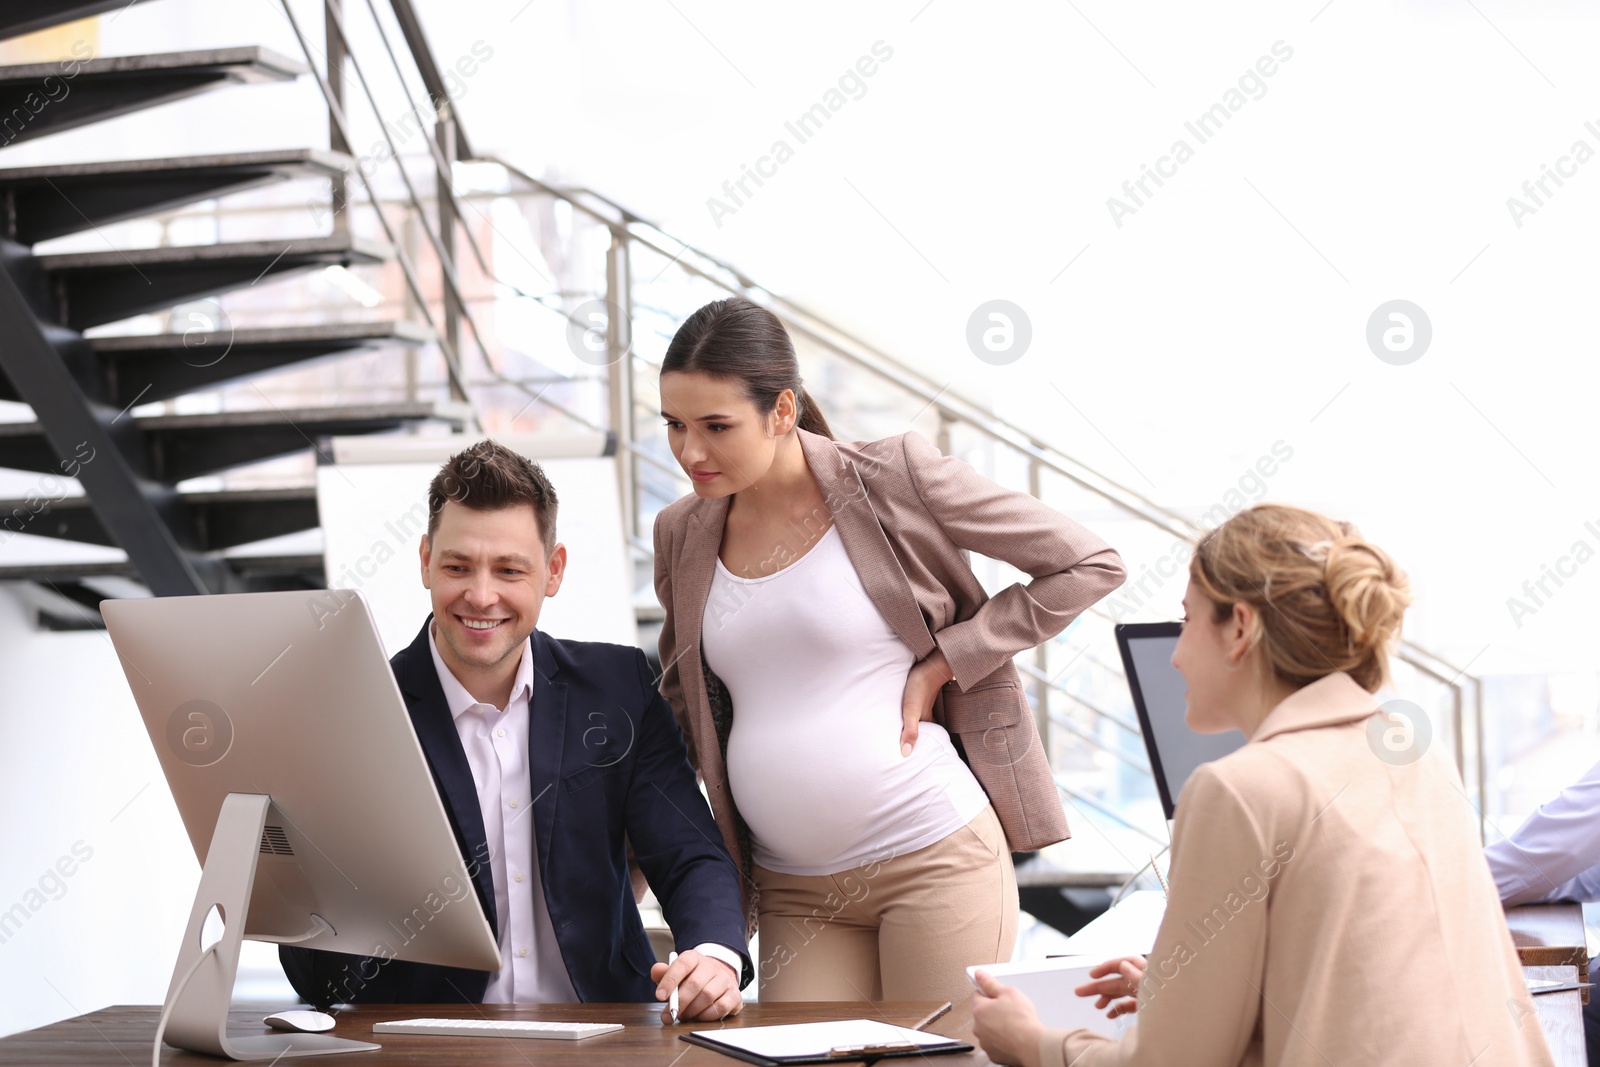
x: 907, y: 517
x: 1329, y: 904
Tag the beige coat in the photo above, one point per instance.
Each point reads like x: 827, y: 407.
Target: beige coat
x: 1328, y: 907
x: 907, y: 517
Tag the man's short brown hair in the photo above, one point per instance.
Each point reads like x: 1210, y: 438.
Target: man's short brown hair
x: 489, y: 476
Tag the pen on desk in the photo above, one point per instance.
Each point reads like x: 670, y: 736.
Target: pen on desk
x: 932, y: 1015
x: 1564, y: 987
x: 856, y: 1052
x: 672, y: 1001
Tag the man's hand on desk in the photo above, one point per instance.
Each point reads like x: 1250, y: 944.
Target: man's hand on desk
x: 708, y: 989
x: 1115, y: 979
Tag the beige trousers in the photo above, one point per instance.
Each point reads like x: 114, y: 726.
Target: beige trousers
x: 901, y: 928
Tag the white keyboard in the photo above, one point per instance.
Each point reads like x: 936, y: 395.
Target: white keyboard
x: 494, y: 1028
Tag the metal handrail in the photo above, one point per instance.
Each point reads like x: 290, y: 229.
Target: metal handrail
x: 1095, y: 805
x: 867, y: 358
x: 1035, y: 673
x: 336, y: 115
x: 427, y: 64
x: 1084, y: 735
x: 625, y: 226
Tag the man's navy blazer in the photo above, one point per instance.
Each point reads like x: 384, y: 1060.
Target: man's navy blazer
x: 609, y: 768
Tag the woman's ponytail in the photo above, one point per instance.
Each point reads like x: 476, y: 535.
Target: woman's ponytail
x: 811, y: 417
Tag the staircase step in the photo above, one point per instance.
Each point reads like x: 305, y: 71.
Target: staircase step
x: 282, y: 569
x: 18, y: 17
x: 76, y: 605
x: 37, y: 99
x: 221, y: 518
x: 145, y: 368
x: 177, y: 447
x: 46, y: 573
x: 39, y: 203
x: 263, y: 573
x: 92, y: 288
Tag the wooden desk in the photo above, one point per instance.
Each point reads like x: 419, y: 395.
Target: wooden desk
x: 1550, y: 935
x: 119, y: 1036
x: 1561, y: 1017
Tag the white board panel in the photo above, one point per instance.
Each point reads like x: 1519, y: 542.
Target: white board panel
x: 374, y: 517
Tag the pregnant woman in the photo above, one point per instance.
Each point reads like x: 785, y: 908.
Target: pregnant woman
x: 845, y: 682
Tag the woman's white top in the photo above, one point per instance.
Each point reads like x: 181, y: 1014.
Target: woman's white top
x: 816, y: 677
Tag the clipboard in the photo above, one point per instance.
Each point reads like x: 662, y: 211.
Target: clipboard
x: 841, y: 1041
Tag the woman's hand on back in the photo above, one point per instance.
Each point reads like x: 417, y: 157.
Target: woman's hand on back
x: 922, y: 688
x: 1115, y: 980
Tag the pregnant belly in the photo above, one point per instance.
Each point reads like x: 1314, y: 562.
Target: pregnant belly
x: 811, y: 796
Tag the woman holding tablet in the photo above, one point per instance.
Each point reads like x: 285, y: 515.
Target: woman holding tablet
x: 845, y: 682
x: 1329, y: 902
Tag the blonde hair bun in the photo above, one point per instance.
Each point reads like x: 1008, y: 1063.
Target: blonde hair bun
x: 1326, y: 599
x: 1368, y: 591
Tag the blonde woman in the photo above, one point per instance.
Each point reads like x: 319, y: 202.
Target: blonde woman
x: 1329, y: 901
x: 845, y: 681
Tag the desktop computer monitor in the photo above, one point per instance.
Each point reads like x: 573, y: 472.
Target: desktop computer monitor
x: 1160, y: 697
x: 304, y: 791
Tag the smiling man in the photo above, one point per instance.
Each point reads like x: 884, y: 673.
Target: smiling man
x: 514, y: 721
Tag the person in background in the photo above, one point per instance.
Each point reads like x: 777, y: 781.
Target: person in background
x: 844, y: 679
x: 1555, y: 856
x: 1328, y: 900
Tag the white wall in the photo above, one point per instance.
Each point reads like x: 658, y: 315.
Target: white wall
x: 79, y: 772
x: 374, y: 515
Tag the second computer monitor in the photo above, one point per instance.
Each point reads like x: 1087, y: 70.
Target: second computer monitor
x: 1161, y: 699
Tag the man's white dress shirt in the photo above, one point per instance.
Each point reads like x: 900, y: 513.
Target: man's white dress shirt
x: 1555, y: 855
x: 496, y: 743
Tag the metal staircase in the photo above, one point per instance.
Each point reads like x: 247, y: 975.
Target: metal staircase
x: 84, y: 391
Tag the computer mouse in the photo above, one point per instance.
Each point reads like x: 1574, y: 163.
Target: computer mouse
x: 301, y: 1021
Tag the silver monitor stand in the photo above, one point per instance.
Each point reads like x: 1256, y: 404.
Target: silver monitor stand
x: 195, y: 1015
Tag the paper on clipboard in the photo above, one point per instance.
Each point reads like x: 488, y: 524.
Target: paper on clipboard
x: 802, y: 1041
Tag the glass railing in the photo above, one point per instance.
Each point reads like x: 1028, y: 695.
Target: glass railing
x: 543, y: 311
x: 551, y: 309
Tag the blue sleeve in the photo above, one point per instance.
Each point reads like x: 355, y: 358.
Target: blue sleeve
x: 675, y: 839
x: 1555, y: 854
